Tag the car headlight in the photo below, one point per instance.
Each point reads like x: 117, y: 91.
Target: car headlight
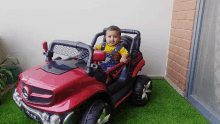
x: 45, y: 116
x: 54, y: 119
x: 17, y: 98
x: 15, y: 93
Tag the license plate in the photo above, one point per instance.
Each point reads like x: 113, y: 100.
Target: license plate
x: 32, y: 115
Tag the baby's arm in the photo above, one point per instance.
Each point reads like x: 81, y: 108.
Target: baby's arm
x: 124, y: 55
x: 97, y: 47
x: 124, y: 58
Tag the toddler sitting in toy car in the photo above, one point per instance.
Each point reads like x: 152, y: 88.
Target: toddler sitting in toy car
x: 114, y: 50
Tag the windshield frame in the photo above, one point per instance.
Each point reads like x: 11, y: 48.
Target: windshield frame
x: 49, y: 53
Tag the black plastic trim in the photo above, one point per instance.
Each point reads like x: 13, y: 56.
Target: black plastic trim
x: 78, y: 44
x: 128, y: 31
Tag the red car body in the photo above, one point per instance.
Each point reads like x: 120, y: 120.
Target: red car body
x: 70, y: 89
x: 45, y: 94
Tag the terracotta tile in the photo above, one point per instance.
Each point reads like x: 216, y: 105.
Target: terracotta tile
x: 182, y: 15
x: 185, y: 53
x: 176, y: 7
x: 174, y: 24
x: 183, y: 71
x: 184, y: 62
x: 180, y: 24
x: 174, y: 15
x: 176, y: 67
x: 177, y: 50
x: 178, y: 41
x: 169, y: 63
x: 171, y: 47
x: 182, y: 80
x: 179, y: 77
x: 175, y: 75
x: 186, y: 44
x: 188, y: 25
x: 171, y: 56
x: 176, y: 82
x: 188, y: 35
x: 191, y: 15
x: 172, y: 32
x: 191, y: 5
x: 177, y: 58
x: 172, y: 40
x: 183, y: 6
x: 169, y: 70
x: 174, y: 49
x: 180, y: 33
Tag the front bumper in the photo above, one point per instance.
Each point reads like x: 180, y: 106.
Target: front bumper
x: 43, y: 117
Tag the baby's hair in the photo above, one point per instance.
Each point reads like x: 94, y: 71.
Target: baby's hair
x: 114, y: 28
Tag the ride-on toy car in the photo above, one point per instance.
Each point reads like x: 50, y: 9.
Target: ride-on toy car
x: 76, y: 89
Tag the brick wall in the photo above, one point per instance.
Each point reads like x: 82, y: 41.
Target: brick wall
x: 180, y: 42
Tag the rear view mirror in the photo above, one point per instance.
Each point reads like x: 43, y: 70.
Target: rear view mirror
x: 99, y: 56
x: 45, y: 46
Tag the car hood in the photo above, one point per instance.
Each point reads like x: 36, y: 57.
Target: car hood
x: 37, y: 77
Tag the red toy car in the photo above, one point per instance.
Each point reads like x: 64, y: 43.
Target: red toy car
x: 76, y: 89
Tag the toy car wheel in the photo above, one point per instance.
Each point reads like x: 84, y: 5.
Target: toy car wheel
x: 98, y: 112
x: 142, y: 90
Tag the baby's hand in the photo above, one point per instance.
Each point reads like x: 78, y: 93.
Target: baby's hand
x: 95, y: 49
x: 124, y: 58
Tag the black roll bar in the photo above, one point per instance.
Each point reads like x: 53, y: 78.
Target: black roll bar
x: 128, y: 31
x: 49, y: 53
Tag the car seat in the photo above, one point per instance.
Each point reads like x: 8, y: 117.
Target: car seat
x: 126, y: 41
x: 121, y: 77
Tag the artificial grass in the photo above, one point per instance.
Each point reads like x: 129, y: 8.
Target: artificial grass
x: 165, y: 106
x: 11, y: 114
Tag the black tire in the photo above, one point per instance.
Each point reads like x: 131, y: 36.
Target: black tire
x: 143, y: 83
x: 97, y: 111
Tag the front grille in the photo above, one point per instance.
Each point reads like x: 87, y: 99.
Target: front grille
x: 34, y: 99
x: 40, y: 100
x: 40, y: 91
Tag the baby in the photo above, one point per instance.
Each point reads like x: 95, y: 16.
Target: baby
x: 114, y: 50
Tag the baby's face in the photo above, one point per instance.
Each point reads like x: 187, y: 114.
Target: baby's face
x: 112, y: 37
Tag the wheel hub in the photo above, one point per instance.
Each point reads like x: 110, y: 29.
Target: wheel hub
x: 103, y: 117
x: 146, y: 90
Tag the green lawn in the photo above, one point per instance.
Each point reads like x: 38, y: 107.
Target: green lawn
x: 165, y: 107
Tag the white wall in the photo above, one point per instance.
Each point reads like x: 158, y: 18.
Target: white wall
x: 25, y: 24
